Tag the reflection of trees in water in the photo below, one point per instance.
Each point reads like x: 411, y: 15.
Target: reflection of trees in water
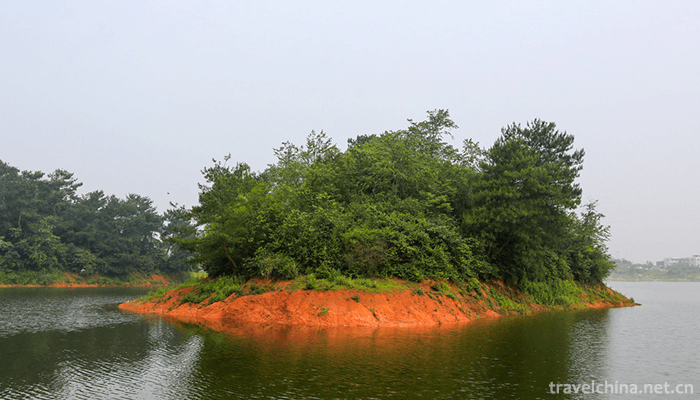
x: 33, y: 310
x: 520, y: 356
x: 587, y: 359
x: 129, y: 360
x: 147, y: 358
x: 508, y: 357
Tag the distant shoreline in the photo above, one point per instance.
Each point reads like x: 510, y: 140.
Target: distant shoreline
x: 618, y: 279
x: 72, y: 280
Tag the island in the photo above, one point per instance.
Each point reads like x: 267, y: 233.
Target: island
x: 262, y: 303
x: 399, y: 229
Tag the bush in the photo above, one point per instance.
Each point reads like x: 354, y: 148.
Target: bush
x: 217, y: 289
x: 254, y: 288
x: 275, y: 265
x: 310, y: 282
x: 404, y: 204
x: 472, y: 285
x: 554, y: 292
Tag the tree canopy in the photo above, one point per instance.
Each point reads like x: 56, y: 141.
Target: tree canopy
x: 46, y: 226
x: 404, y: 204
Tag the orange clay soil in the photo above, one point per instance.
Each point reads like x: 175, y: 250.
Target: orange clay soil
x: 334, y: 308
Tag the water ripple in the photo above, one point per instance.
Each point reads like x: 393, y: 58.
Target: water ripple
x: 32, y: 310
x: 83, y: 348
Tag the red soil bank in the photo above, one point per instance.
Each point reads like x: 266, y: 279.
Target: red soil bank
x: 333, y: 308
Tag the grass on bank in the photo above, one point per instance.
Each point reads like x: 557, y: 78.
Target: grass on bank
x: 334, y: 280
x: 219, y: 289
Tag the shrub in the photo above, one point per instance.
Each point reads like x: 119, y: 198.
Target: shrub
x: 554, y: 292
x: 441, y: 287
x: 155, y: 295
x: 254, y: 288
x: 368, y: 283
x: 473, y: 285
x: 310, y: 282
x: 275, y: 265
x: 215, y: 289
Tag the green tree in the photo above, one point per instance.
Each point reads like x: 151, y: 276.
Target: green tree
x: 46, y: 226
x: 588, y: 251
x: 29, y: 207
x: 523, y: 198
x: 126, y: 236
x: 403, y: 203
x: 224, y: 212
x: 382, y: 208
x: 176, y: 225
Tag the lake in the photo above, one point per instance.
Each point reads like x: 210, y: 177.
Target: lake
x: 75, y: 344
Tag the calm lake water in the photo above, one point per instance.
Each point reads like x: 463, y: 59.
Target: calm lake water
x: 75, y: 344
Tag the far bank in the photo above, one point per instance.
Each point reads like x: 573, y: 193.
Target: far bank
x: 73, y: 280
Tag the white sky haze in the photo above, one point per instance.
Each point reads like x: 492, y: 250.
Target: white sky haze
x: 139, y: 96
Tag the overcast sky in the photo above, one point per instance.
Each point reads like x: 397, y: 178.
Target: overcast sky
x: 139, y: 96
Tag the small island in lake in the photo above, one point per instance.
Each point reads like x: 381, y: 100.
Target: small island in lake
x: 363, y: 302
x: 401, y: 229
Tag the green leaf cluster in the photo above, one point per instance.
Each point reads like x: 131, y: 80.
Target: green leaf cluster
x: 524, y: 209
x: 403, y: 204
x: 46, y: 227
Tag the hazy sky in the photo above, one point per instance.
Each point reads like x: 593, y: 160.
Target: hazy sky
x: 139, y: 96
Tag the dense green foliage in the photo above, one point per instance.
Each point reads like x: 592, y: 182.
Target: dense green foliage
x: 404, y: 204
x: 45, y: 228
x: 400, y: 204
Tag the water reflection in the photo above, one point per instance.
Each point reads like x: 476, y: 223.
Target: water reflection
x: 136, y: 357
x: 135, y: 361
x: 510, y: 357
x: 163, y: 369
x: 32, y: 310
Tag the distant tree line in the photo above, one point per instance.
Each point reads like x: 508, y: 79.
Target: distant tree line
x: 626, y: 270
x: 400, y: 204
x: 46, y: 226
